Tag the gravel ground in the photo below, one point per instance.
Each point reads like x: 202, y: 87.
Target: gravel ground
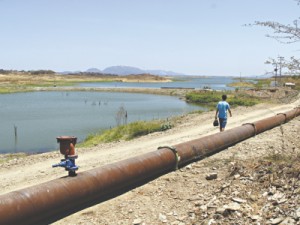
x: 253, y: 182
x: 257, y: 182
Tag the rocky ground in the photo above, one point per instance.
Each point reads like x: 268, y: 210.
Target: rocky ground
x: 253, y: 182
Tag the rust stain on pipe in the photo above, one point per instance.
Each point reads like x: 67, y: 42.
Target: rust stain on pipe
x: 50, y: 201
x: 53, y: 200
x: 197, y: 149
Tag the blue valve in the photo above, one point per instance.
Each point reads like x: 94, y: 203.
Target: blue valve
x: 69, y: 165
x: 67, y: 148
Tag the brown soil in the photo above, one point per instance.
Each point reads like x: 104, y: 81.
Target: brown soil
x: 249, y: 189
x: 25, y: 78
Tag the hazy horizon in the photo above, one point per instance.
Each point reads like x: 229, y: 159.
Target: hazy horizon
x: 189, y: 37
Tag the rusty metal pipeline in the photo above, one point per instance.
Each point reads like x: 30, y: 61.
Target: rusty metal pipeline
x: 53, y: 200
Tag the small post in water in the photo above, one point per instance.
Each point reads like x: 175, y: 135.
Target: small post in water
x: 16, y: 137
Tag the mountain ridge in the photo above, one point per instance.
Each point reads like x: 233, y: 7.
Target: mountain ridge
x: 127, y: 70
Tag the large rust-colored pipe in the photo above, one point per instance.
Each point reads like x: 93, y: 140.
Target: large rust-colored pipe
x: 53, y: 200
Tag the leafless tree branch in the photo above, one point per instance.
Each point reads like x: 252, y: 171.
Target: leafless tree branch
x: 283, y: 33
x: 288, y: 34
x: 292, y: 65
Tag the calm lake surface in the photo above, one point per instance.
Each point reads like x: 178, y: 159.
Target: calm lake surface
x: 215, y: 83
x: 39, y: 117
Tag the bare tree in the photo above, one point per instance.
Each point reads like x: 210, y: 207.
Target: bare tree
x: 285, y: 66
x: 294, y: 66
x: 284, y: 33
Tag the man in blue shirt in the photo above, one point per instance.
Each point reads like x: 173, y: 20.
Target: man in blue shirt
x: 222, y: 109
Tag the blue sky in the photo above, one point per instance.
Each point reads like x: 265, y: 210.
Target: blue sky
x: 195, y: 37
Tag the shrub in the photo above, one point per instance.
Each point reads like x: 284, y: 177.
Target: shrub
x: 125, y: 132
x: 210, y: 99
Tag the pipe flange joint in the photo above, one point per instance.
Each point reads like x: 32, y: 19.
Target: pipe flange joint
x: 285, y: 116
x: 252, y: 124
x: 174, y: 150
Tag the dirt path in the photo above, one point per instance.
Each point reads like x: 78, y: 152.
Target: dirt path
x: 23, y: 172
x: 35, y: 169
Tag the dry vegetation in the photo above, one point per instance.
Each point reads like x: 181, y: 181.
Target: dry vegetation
x: 257, y: 180
x: 21, y: 82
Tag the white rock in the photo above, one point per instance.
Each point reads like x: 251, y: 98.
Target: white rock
x: 137, y: 221
x: 276, y: 221
x: 239, y: 200
x: 188, y: 167
x: 288, y: 221
x: 203, y: 208
x: 298, y: 213
x: 256, y: 217
x: 162, y: 217
x: 211, y: 221
x: 220, y: 210
x: 233, y: 206
x: 237, y: 176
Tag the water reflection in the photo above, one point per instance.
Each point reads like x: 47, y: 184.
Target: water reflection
x: 215, y: 83
x: 30, y: 122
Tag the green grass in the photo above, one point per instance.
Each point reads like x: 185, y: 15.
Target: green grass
x: 196, y: 112
x: 243, y: 84
x: 207, y: 99
x: 10, y: 90
x: 243, y: 100
x: 125, y: 132
x: 210, y: 99
x: 262, y: 83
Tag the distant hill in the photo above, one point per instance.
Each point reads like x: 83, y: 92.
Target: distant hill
x: 163, y: 72
x: 125, y: 70
x: 70, y: 72
x: 93, y: 70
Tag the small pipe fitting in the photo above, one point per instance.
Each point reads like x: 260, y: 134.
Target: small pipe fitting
x: 47, y: 202
x: 67, y: 148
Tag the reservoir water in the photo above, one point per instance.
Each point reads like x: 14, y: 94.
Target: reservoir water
x: 213, y: 82
x: 30, y: 122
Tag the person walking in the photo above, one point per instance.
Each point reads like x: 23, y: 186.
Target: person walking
x: 221, y: 112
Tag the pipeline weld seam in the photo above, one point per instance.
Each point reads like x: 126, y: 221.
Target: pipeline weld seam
x: 174, y: 150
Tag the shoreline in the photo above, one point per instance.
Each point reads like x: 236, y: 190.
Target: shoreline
x: 88, y: 89
x: 178, y: 92
x: 173, y: 189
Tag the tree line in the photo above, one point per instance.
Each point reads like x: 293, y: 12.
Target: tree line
x: 32, y: 72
